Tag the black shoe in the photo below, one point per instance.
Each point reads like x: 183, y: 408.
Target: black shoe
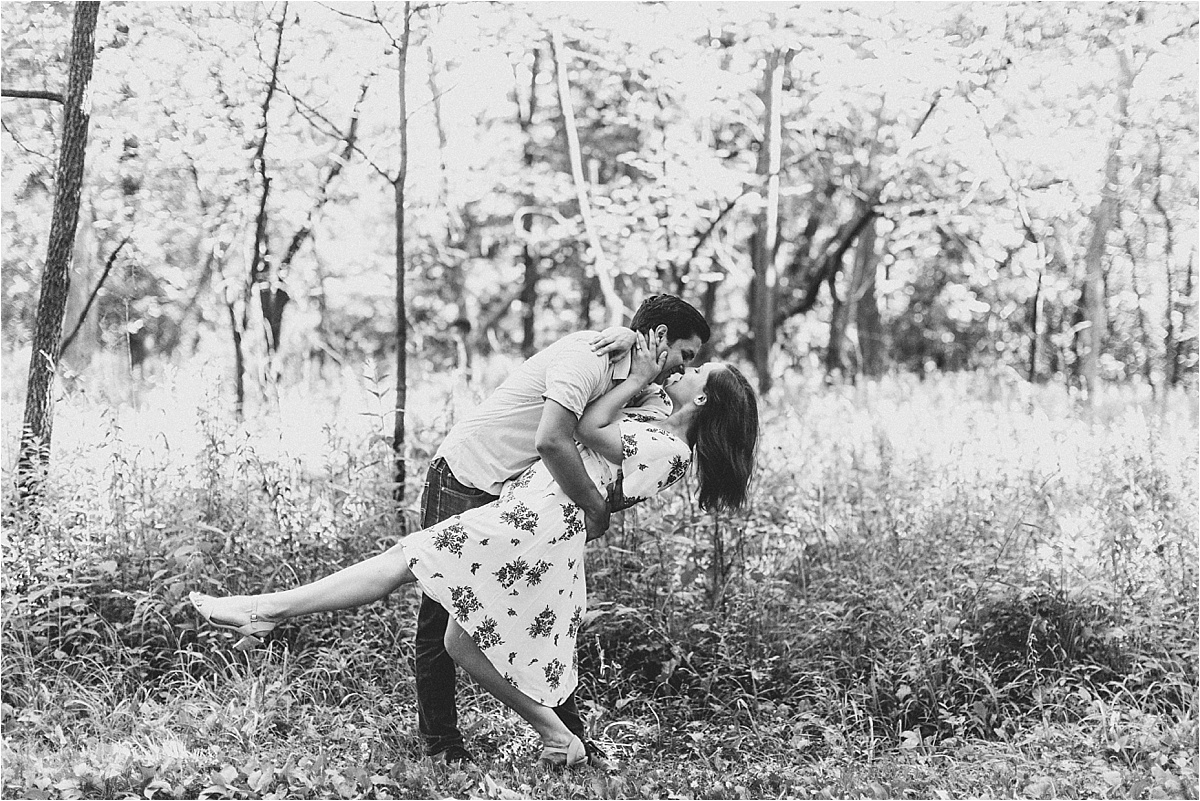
x: 454, y: 755
x: 596, y: 756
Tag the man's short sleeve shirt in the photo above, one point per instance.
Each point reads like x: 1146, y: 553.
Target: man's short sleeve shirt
x: 496, y: 442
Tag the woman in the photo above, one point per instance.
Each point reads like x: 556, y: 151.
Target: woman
x: 511, y: 573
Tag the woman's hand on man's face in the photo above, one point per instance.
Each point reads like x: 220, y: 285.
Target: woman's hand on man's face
x: 649, y: 357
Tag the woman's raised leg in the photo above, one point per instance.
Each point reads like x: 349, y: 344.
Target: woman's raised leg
x: 356, y: 585
x: 556, y: 737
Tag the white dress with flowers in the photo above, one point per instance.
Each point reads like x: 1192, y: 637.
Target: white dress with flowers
x: 511, y: 572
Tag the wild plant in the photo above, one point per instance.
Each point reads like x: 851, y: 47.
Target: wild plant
x: 921, y: 565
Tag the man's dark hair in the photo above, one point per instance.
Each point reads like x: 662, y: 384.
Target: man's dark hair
x: 680, y: 317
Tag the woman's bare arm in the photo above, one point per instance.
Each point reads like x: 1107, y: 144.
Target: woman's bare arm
x: 597, y: 427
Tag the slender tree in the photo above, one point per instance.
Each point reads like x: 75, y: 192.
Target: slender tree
x: 452, y: 246
x: 401, y: 304
x: 396, y: 179
x: 34, y: 455
x: 1170, y: 339
x: 263, y: 276
x: 529, y: 258
x: 1035, y: 322
x: 1103, y: 216
x: 867, y: 317
x: 766, y: 236
x: 600, y: 262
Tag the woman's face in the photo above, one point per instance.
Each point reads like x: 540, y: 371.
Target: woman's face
x: 684, y: 387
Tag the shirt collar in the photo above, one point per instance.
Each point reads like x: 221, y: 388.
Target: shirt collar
x: 621, y: 367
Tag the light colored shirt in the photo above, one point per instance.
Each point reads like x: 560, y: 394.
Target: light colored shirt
x: 496, y: 441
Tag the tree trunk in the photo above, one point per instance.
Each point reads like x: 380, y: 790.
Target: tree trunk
x: 1188, y: 302
x: 239, y: 364
x: 603, y: 269
x: 708, y: 307
x: 214, y: 262
x: 1171, y: 342
x: 762, y: 308
x: 399, y: 475
x: 263, y: 277
x: 839, y: 318
x: 529, y: 258
x: 1143, y: 335
x: 1102, y: 219
x: 1034, y: 319
x: 845, y: 326
x: 34, y: 454
x: 528, y: 292
x: 452, y: 264
x: 867, y: 317
x: 589, y: 288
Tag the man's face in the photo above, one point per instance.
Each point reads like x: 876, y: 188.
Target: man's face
x: 680, y: 353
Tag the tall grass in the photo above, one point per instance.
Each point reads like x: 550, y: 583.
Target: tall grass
x: 924, y: 565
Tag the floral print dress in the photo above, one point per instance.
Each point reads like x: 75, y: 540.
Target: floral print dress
x: 511, y: 572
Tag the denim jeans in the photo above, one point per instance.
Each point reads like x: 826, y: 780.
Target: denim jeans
x: 437, y: 709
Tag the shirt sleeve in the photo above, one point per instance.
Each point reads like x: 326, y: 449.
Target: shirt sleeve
x: 577, y: 377
x: 652, y: 460
x: 652, y: 404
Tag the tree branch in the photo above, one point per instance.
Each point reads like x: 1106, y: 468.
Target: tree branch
x: 20, y: 144
x: 831, y: 262
x: 1180, y: 32
x: 87, y: 307
x: 835, y: 249
x: 1018, y: 197
x: 334, y: 8
x: 702, y: 236
x: 32, y: 94
x: 309, y: 113
x: 338, y: 162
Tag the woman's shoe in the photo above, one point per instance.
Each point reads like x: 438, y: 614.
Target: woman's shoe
x: 572, y: 755
x: 251, y: 631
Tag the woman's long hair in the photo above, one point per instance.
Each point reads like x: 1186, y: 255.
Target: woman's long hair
x: 723, y: 437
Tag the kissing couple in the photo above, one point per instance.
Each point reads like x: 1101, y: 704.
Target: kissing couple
x: 593, y: 424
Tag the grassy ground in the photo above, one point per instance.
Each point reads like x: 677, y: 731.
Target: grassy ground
x: 964, y: 587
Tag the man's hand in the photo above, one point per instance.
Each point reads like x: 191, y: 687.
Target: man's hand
x: 614, y: 342
x: 555, y: 442
x: 597, y: 523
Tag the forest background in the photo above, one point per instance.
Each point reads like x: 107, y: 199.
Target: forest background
x: 955, y: 244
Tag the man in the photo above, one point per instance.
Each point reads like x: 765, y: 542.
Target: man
x: 531, y: 415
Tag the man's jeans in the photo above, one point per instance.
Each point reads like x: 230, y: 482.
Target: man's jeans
x: 437, y: 710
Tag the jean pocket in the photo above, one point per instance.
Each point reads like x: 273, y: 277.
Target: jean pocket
x: 448, y: 502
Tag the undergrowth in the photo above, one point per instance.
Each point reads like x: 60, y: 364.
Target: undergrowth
x: 959, y: 587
